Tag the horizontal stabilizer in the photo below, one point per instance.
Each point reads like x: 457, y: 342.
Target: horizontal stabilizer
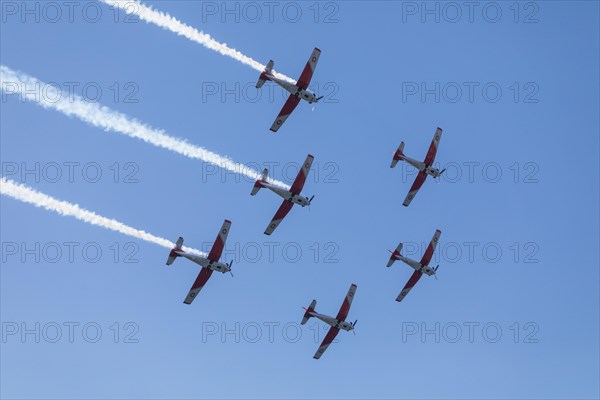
x: 310, y: 309
x: 398, y: 155
x: 394, y: 255
x: 263, y: 77
x: 269, y: 66
x: 258, y: 184
x: 173, y: 255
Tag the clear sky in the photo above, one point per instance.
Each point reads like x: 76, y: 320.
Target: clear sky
x: 515, y: 312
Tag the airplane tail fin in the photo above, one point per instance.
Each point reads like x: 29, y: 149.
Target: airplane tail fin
x: 258, y: 184
x: 172, y: 254
x: 310, y: 308
x: 398, y: 155
x: 263, y: 77
x: 395, y: 253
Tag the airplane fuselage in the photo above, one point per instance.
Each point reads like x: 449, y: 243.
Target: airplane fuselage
x: 204, y: 262
x: 293, y: 89
x: 287, y: 195
x: 421, y: 166
x: 344, y: 325
x: 425, y: 269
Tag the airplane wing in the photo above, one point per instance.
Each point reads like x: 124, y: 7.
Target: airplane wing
x: 421, y: 176
x: 431, y: 248
x: 301, y: 178
x: 309, y: 69
x: 284, y: 209
x: 217, y: 248
x: 343, y: 313
x: 409, y: 285
x: 201, y: 280
x: 333, y: 331
x: 430, y: 157
x: 285, y: 112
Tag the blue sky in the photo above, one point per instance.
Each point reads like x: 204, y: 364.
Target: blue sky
x: 533, y: 229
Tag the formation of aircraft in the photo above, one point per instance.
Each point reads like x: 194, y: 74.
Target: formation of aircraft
x: 209, y: 264
x: 420, y: 267
x: 290, y: 197
x: 337, y: 323
x: 298, y: 91
x: 425, y: 168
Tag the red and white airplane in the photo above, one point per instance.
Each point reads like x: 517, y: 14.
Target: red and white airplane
x: 290, y: 197
x: 297, y: 91
x: 425, y: 168
x: 420, y: 267
x: 337, y: 323
x: 208, y: 264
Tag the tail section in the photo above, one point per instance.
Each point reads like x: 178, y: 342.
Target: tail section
x: 395, y: 253
x: 398, y: 155
x: 258, y: 184
x: 263, y: 76
x: 310, y: 309
x: 173, y: 255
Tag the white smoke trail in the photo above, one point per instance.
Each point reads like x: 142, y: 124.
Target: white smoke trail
x: 26, y: 194
x: 171, y: 23
x: 50, y: 96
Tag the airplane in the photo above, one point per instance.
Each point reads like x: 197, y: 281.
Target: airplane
x: 297, y: 91
x: 337, y: 323
x: 424, y: 167
x: 290, y: 197
x: 420, y: 267
x: 209, y: 264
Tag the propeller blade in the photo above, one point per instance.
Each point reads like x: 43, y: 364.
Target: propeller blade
x: 310, y: 200
x: 442, y: 171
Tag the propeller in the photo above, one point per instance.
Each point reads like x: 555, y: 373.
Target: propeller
x: 309, y: 201
x: 353, y: 326
x: 319, y: 98
x: 229, y: 265
x: 439, y: 177
x: 435, y: 270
